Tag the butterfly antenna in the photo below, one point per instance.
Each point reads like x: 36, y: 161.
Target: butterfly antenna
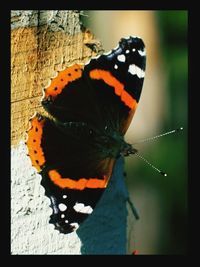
x: 158, y: 136
x: 151, y: 165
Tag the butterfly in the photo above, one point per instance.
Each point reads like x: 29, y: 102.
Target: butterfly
x: 75, y: 149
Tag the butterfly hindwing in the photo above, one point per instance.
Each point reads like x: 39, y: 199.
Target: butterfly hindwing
x: 73, y: 180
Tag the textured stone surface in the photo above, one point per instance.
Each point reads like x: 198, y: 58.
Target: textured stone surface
x: 31, y: 232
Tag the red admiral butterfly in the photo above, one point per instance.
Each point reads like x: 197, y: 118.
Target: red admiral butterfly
x: 91, y: 107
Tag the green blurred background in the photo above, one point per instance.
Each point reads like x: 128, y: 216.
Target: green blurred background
x: 160, y: 201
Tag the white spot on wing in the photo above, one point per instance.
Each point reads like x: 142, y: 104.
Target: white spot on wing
x: 53, y: 202
x: 134, y: 36
x: 75, y: 225
x: 127, y: 51
x: 107, y: 53
x: 87, y: 210
x: 142, y: 53
x: 62, y: 215
x: 121, y: 58
x: 135, y: 70
x: 116, y: 67
x: 96, y: 57
x: 116, y: 47
x: 62, y: 207
x: 133, y: 49
x: 80, y: 207
x: 64, y: 196
x: 128, y: 37
x: 87, y: 62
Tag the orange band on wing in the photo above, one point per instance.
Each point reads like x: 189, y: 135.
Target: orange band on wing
x: 77, y: 184
x: 34, y: 143
x: 107, y: 77
x: 64, y: 77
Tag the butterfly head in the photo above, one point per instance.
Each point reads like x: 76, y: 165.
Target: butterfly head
x: 112, y: 144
